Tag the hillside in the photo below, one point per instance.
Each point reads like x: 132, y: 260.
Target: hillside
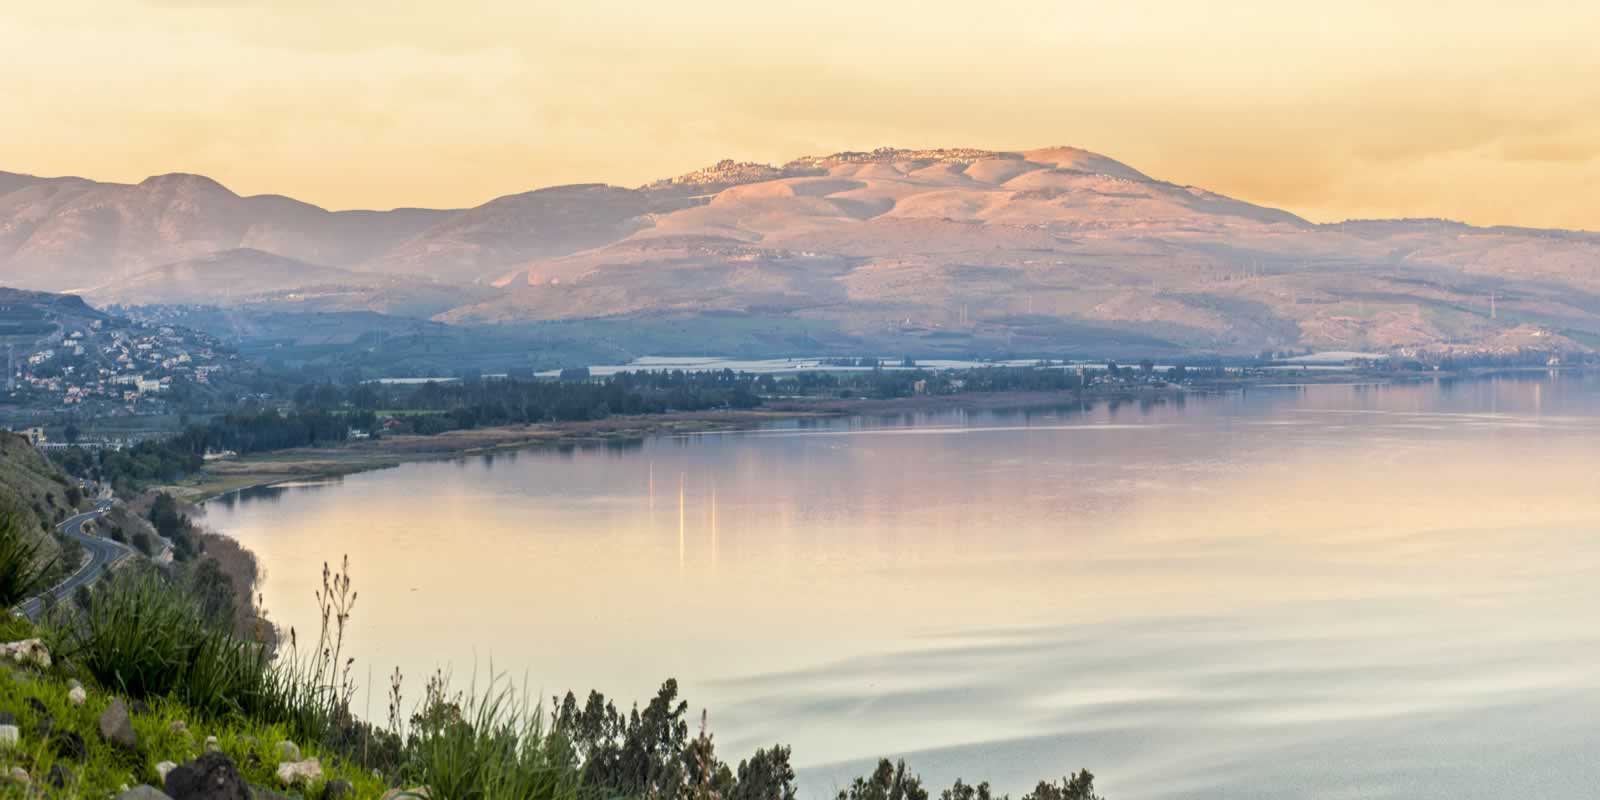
x: 33, y: 487
x: 1056, y: 250
x: 27, y: 317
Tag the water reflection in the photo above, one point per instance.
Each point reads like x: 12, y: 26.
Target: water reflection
x: 1296, y: 591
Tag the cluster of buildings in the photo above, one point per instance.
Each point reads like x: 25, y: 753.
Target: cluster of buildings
x: 115, y: 369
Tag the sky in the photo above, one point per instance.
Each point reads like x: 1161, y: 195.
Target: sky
x: 1481, y: 111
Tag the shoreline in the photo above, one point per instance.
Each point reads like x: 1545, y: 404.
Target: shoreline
x: 320, y: 463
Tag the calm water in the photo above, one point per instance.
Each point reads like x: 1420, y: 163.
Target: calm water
x: 1329, y: 592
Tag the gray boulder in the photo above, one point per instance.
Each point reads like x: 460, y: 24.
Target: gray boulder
x: 116, y: 727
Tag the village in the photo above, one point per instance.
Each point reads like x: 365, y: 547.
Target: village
x: 99, y: 367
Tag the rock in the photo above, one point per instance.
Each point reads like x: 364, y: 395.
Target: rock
x: 28, y: 652
x: 414, y: 793
x: 338, y: 790
x: 143, y: 793
x: 59, y: 776
x: 212, y: 745
x: 68, y: 744
x: 116, y: 727
x: 300, y: 773
x: 19, y: 775
x: 288, y: 751
x: 163, y: 768
x: 77, y: 696
x: 209, y: 777
x: 9, y: 736
x: 179, y: 726
x: 74, y: 683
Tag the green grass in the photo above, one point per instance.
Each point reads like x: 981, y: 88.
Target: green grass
x: 250, y: 743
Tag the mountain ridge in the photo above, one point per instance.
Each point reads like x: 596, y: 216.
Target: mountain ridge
x: 947, y: 249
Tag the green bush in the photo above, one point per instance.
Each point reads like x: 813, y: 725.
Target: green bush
x: 22, y: 573
x: 472, y: 747
x: 141, y: 635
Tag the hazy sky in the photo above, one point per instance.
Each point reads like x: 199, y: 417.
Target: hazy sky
x: 1477, y: 110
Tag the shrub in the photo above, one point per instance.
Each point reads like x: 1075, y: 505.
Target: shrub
x: 142, y: 636
x: 22, y: 573
x: 471, y: 747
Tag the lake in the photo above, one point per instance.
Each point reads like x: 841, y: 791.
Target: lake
x: 1332, y: 591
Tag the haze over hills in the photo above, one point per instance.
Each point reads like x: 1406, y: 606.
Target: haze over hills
x: 924, y: 251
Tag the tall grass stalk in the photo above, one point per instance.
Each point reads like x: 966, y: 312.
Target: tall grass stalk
x: 315, y: 687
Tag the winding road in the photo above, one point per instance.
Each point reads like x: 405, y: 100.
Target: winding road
x: 103, y: 554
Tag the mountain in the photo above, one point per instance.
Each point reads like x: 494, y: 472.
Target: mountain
x: 481, y: 242
x: 245, y: 273
x: 247, y: 277
x: 70, y: 233
x: 1056, y: 250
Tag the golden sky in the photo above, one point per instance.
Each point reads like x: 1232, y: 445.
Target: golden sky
x: 1476, y: 110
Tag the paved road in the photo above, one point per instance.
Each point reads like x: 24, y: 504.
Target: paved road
x: 103, y: 554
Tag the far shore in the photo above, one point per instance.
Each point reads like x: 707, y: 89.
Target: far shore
x: 314, y: 463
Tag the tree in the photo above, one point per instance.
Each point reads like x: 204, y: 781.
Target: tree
x: 766, y: 776
x: 71, y: 433
x: 1147, y: 367
x: 1077, y: 786
x: 887, y: 782
x: 966, y: 791
x: 213, y: 590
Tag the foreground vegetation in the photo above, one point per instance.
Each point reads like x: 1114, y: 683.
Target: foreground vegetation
x: 144, y: 640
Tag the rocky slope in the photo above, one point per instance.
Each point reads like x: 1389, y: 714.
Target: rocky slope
x: 927, y: 251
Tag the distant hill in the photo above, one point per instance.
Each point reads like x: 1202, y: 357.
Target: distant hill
x: 918, y: 251
x: 26, y: 316
x: 71, y: 233
x: 249, y: 277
